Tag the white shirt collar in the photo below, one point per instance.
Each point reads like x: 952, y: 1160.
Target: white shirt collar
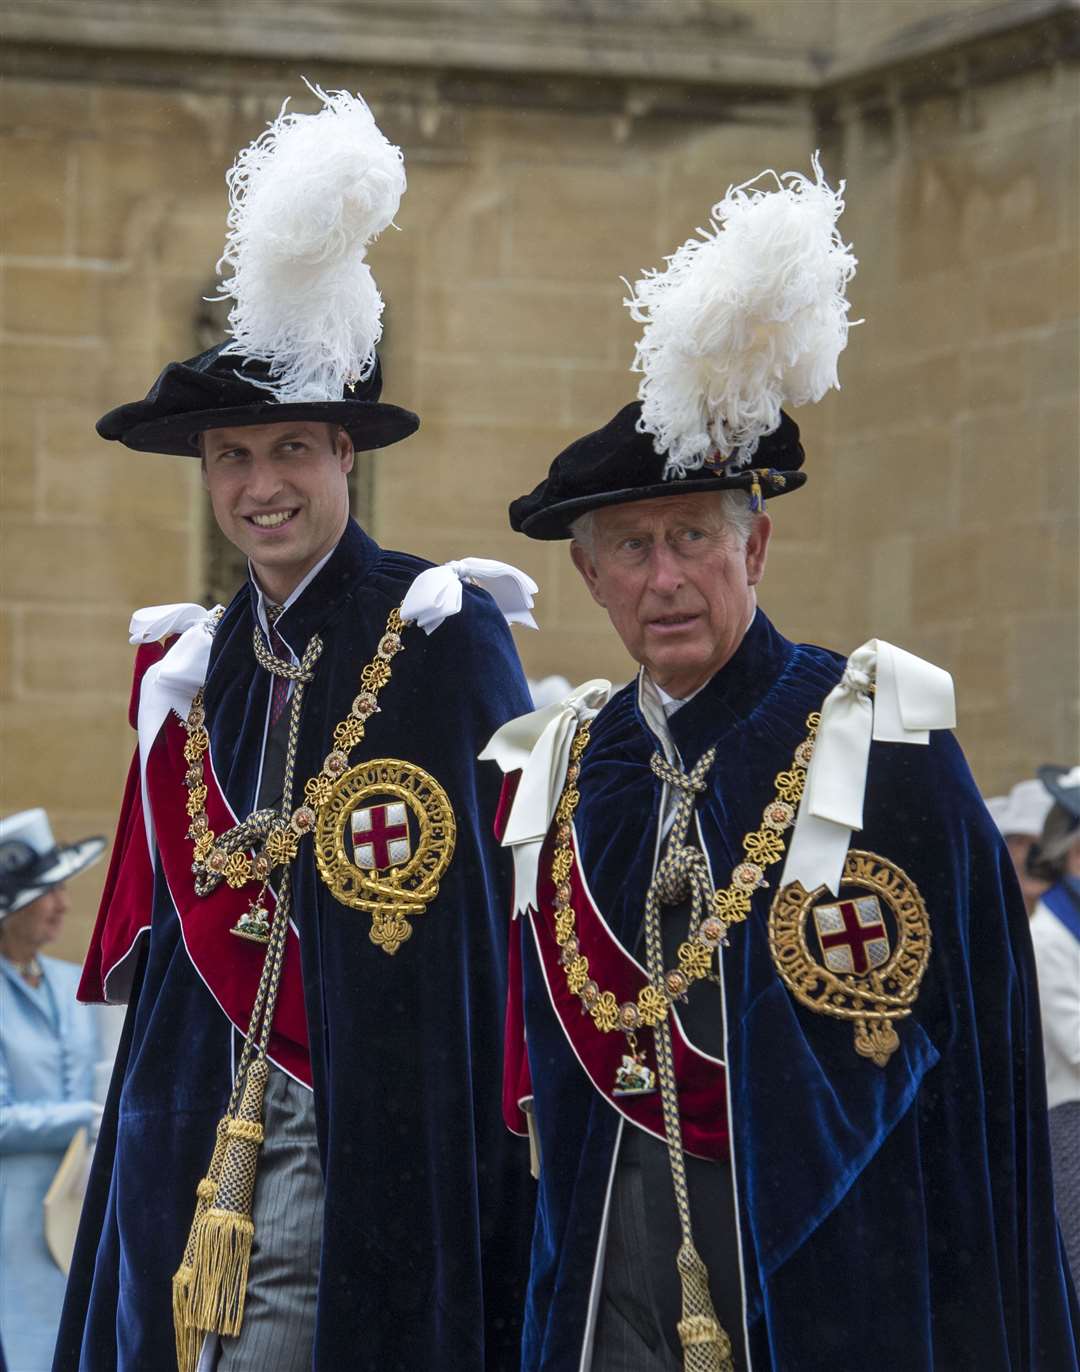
x: 672, y: 703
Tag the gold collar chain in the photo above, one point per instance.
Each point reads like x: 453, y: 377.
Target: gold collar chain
x: 213, y: 860
x: 730, y: 904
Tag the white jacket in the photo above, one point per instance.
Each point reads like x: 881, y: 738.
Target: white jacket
x: 1057, y: 958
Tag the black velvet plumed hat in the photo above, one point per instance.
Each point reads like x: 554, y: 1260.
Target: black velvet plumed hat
x: 306, y: 200
x: 618, y: 464
x: 219, y: 390
x: 748, y: 316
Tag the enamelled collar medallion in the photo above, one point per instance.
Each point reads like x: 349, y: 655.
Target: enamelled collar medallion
x: 846, y: 962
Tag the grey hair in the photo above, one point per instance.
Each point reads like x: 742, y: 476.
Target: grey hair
x: 735, y: 504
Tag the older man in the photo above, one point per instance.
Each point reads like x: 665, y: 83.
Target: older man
x: 785, y: 1087
x: 301, y: 1164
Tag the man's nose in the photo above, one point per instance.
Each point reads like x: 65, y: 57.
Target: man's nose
x: 665, y: 573
x: 264, y: 481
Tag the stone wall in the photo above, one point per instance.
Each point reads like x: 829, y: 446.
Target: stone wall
x: 949, y: 486
x: 941, y: 511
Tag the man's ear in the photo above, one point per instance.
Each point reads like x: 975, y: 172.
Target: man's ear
x: 582, y: 560
x: 757, y: 549
x: 346, y: 453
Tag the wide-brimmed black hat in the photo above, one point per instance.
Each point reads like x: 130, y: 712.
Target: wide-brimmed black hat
x: 31, y: 860
x: 618, y: 464
x: 219, y: 390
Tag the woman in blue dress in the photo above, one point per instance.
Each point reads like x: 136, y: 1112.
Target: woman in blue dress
x: 49, y: 1046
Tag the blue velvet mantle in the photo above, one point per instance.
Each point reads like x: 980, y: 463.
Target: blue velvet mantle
x: 899, y: 1219
x: 427, y: 1198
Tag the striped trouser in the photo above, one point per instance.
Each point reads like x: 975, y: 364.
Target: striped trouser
x: 640, y: 1293
x: 628, y: 1338
x: 279, y: 1312
x: 1065, y: 1150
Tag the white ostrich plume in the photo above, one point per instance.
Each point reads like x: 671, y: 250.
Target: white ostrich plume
x: 305, y: 201
x: 745, y: 318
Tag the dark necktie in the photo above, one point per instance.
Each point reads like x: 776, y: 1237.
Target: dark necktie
x: 279, y: 692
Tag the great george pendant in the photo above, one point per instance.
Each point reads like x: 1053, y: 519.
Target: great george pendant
x: 633, y: 1077
x: 254, y: 924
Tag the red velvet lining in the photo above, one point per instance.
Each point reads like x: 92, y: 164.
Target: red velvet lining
x: 702, y: 1090
x: 128, y: 896
x: 229, y: 966
x: 517, y: 1078
x: 506, y: 802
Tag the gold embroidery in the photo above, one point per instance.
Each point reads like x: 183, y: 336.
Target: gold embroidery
x: 876, y: 996
x: 389, y: 892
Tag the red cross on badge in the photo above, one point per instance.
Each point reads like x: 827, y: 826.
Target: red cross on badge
x: 852, y: 935
x: 380, y: 835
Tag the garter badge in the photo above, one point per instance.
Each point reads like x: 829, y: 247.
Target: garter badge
x: 383, y: 840
x: 862, y: 957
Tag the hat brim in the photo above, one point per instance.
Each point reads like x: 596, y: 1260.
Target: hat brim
x: 69, y: 861
x: 370, y: 424
x: 554, y: 521
x: 1068, y: 797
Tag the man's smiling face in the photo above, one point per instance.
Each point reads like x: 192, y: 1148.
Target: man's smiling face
x: 677, y: 580
x: 279, y: 494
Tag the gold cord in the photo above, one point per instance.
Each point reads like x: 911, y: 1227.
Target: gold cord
x: 210, y: 1285
x: 682, y: 871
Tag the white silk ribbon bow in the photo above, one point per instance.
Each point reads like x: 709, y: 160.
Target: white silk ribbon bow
x: 910, y: 698
x: 435, y: 595
x: 171, y: 682
x: 538, y: 745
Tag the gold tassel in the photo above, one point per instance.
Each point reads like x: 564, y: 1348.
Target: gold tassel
x: 188, y: 1338
x: 222, y: 1260
x: 210, y: 1285
x: 706, y: 1347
